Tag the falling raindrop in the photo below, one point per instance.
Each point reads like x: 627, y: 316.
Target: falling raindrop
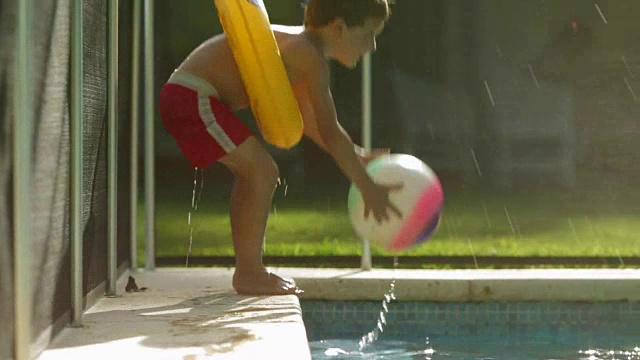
x: 475, y: 260
x: 610, y: 191
x: 511, y: 222
x: 626, y: 81
x: 586, y: 219
x: 475, y: 161
x: 449, y: 228
x: 486, y: 215
x: 626, y: 64
x: 486, y: 85
x: 573, y: 228
x: 601, y: 14
x: 619, y: 257
x: 432, y: 131
x: 533, y: 75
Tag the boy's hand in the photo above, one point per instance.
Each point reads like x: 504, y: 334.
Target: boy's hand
x: 376, y: 198
x: 376, y: 201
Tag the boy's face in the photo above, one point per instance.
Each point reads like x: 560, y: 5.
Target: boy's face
x: 355, y: 41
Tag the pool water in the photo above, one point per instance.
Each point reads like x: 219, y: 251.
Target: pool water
x: 462, y: 348
x: 420, y: 330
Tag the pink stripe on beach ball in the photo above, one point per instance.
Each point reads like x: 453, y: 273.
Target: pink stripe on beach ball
x: 428, y: 206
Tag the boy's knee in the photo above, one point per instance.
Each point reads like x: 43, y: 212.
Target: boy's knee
x: 252, y: 162
x: 261, y: 168
x: 267, y: 172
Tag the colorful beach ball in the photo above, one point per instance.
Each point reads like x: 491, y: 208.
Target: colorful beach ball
x: 420, y: 200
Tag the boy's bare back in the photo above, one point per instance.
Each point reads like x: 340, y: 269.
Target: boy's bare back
x: 213, y: 61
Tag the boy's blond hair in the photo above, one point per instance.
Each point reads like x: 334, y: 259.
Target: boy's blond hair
x: 318, y: 13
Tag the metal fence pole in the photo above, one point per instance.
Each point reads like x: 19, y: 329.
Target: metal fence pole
x: 366, y: 263
x: 112, y: 141
x: 135, y: 113
x: 22, y: 163
x: 149, y: 136
x: 76, y: 117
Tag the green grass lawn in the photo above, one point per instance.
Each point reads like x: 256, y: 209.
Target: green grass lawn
x: 542, y: 223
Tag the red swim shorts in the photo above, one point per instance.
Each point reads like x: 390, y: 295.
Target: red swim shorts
x: 204, y: 128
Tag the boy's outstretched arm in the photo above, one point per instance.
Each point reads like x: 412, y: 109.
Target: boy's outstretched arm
x: 339, y: 145
x: 311, y: 131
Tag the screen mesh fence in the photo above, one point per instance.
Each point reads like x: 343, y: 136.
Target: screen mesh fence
x: 50, y: 222
x: 6, y: 281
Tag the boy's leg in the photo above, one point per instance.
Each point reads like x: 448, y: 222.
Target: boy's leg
x: 206, y: 130
x: 256, y: 176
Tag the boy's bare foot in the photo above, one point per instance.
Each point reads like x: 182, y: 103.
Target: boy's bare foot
x: 263, y: 283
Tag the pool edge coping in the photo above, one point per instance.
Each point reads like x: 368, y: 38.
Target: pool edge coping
x: 566, y: 285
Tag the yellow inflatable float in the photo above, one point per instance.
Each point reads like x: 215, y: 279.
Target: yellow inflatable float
x: 246, y: 24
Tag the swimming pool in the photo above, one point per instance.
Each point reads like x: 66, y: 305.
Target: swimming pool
x: 482, y: 330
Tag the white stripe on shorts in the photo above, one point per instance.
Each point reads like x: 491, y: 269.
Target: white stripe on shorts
x: 213, y: 128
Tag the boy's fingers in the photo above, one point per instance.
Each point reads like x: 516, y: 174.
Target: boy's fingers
x: 396, y: 210
x: 393, y: 187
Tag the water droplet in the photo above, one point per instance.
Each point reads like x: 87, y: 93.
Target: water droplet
x: 373, y: 335
x: 194, y: 206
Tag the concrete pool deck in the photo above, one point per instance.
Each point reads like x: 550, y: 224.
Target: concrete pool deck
x: 194, y: 314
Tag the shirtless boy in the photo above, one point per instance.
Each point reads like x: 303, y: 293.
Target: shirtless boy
x: 198, y: 101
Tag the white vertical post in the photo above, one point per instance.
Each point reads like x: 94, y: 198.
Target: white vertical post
x: 22, y: 164
x: 76, y: 117
x: 366, y: 263
x: 149, y: 136
x: 135, y: 113
x: 112, y: 143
